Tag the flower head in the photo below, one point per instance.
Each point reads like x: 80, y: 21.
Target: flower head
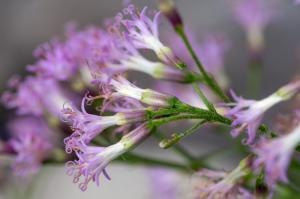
x: 212, y: 52
x: 87, y: 126
x: 92, y: 161
x: 118, y: 86
x: 254, y: 16
x: 30, y: 98
x: 118, y: 54
x: 275, y: 155
x: 248, y: 114
x: 54, y: 61
x: 31, y: 143
x: 25, y: 99
x: 143, y: 32
x: 164, y: 183
x: 218, y: 184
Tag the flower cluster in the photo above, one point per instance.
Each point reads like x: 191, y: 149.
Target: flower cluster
x: 275, y: 155
x: 93, y: 66
x: 30, y: 144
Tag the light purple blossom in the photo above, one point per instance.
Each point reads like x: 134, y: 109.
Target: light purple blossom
x: 87, y: 126
x: 93, y: 160
x: 143, y: 32
x: 253, y: 13
x: 118, y: 55
x: 218, y: 184
x: 118, y: 86
x: 254, y: 16
x: 275, y: 155
x: 36, y: 96
x: 54, y: 61
x: 211, y: 51
x: 248, y: 114
x: 25, y: 98
x: 31, y: 142
x: 163, y: 183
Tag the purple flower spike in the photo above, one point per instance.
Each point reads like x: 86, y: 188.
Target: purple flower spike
x: 31, y: 143
x: 93, y: 160
x: 275, y: 155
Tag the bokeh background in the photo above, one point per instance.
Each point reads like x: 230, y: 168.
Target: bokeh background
x: 27, y: 23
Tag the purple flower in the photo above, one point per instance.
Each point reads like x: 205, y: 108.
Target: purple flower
x: 92, y: 161
x: 254, y: 16
x: 163, y: 183
x: 25, y: 99
x: 275, y: 155
x: 118, y: 86
x: 87, y: 126
x: 36, y: 96
x: 31, y: 142
x: 143, y: 32
x: 253, y: 13
x: 54, y: 61
x: 248, y: 114
x: 212, y: 52
x: 118, y: 55
x: 218, y: 184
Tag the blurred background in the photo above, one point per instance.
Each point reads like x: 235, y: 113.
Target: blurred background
x: 27, y: 23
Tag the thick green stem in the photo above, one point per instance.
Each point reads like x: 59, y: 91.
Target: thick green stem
x: 209, y: 80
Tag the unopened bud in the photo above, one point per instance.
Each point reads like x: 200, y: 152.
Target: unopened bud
x: 167, y: 7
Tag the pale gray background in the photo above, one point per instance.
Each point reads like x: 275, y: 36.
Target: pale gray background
x: 26, y: 23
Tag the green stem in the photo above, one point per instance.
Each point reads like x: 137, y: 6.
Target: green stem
x: 161, y: 121
x: 166, y: 143
x: 206, y: 77
x: 254, y: 76
x: 141, y: 159
x: 207, y: 103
